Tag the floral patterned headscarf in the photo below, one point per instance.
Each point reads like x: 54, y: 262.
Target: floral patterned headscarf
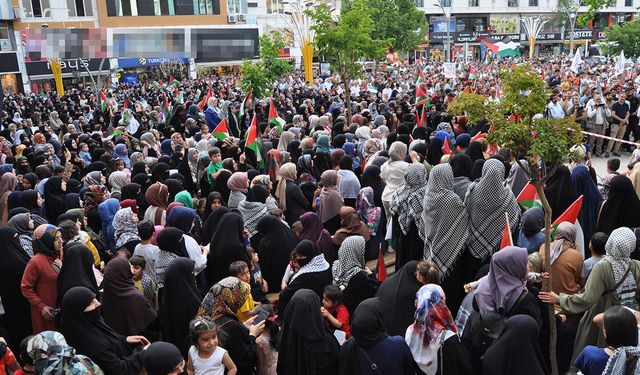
x: 224, y: 298
x: 51, y: 356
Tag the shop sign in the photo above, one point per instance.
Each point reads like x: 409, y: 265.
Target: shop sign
x: 36, y: 68
x: 149, y: 61
x: 587, y: 34
x: 543, y: 36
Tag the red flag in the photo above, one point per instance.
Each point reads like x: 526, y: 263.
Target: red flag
x: 204, y: 101
x: 478, y: 136
x: 528, y: 197
x: 422, y: 121
x: 506, y: 235
x: 514, y: 118
x: 445, y: 148
x: 570, y: 214
x: 473, y: 69
x: 467, y: 90
x: 126, y: 104
x: 381, y: 268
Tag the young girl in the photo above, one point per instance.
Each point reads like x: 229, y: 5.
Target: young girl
x: 205, y: 356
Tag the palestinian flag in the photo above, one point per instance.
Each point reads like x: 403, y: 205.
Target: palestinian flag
x: 570, y: 215
x: 446, y: 149
x: 506, y: 235
x: 254, y: 140
x: 180, y: 98
x: 478, y: 136
x: 381, y: 269
x: 167, y: 110
x: 203, y: 102
x: 126, y: 104
x: 103, y: 101
x: 274, y: 119
x: 421, y: 77
x: 422, y: 120
x: 502, y: 49
x: 174, y: 82
x: 528, y: 197
x: 244, y: 102
x: 372, y: 89
x: 473, y: 72
x: 421, y: 95
x: 221, y: 131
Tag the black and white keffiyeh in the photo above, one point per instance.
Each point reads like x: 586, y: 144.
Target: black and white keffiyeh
x: 407, y: 201
x: 620, y: 245
x: 617, y: 363
x: 445, y: 228
x: 317, y: 264
x: 126, y: 229
x: 487, y: 200
x: 251, y: 213
x: 350, y: 260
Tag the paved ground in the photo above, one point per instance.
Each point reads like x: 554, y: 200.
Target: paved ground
x: 600, y: 164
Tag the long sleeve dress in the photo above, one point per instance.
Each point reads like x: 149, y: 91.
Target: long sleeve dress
x: 39, y: 287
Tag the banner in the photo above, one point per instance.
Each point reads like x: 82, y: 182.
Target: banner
x: 449, y: 70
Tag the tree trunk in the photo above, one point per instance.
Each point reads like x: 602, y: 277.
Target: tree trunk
x: 347, y: 100
x: 546, y: 283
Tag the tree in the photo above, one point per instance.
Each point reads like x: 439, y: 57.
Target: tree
x: 542, y: 143
x: 398, y: 21
x: 260, y: 76
x: 566, y: 14
x: 475, y: 106
x: 624, y: 37
x: 346, y: 41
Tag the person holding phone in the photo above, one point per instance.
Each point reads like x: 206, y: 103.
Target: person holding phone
x: 597, y: 114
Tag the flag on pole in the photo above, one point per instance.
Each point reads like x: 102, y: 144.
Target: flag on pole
x: 221, y: 131
x: 173, y: 81
x: 421, y: 77
x: 478, y: 136
x: 421, y: 96
x: 244, y: 102
x: 381, y: 269
x: 570, y: 214
x: 422, y: 119
x: 446, y: 149
x: 203, y: 102
x: 528, y: 197
x: 620, y: 63
x: 473, y: 72
x: 253, y: 141
x: 506, y: 235
x: 103, y: 100
x: 372, y: 89
x: 180, y: 98
x: 274, y: 119
x: 167, y: 109
x: 576, y: 63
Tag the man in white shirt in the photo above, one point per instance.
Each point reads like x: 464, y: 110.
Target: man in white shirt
x: 554, y: 109
x: 597, y: 113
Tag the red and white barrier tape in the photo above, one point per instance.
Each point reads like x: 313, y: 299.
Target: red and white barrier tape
x: 611, y: 138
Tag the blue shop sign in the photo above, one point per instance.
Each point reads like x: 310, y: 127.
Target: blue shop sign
x: 149, y: 61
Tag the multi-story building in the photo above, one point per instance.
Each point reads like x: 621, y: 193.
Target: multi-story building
x: 472, y: 20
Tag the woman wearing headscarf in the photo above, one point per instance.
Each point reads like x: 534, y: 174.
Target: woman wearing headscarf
x: 13, y: 261
x: 254, y: 208
x: 124, y: 308
x: 566, y: 261
x: 393, y: 173
x: 372, y: 215
x: 239, y: 186
x: 348, y: 183
x: 322, y: 144
x: 93, y: 197
x: 51, y: 354
x: 221, y: 304
x: 620, y: 208
x: 175, y: 186
x: 585, y: 186
x: 445, y: 226
x: 85, y: 330
x: 612, y: 281
x: 559, y: 191
x: 461, y: 165
x: 487, y: 201
x: 314, y: 273
x: 8, y: 183
x: 227, y: 246
x: 517, y: 350
x: 389, y: 354
x: 285, y: 138
x: 434, y: 152
x: 160, y: 172
x: 180, y: 302
x: 290, y: 198
x: 108, y: 210
x: 125, y: 223
x: 330, y: 201
x: 54, y: 191
x: 162, y: 358
x: 276, y: 243
x: 39, y: 281
x: 432, y: 338
x: 312, y: 230
x: 474, y: 151
x: 406, y: 206
x: 172, y: 245
x: 211, y: 224
x: 350, y: 226
x: 398, y: 293
x: 77, y: 270
x: 117, y: 180
x: 351, y: 274
x: 157, y: 196
x: 530, y: 235
x: 518, y: 178
x: 306, y: 346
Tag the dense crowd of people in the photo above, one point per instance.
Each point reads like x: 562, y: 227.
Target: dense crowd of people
x: 196, y: 229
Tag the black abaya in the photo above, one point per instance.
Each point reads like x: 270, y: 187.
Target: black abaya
x: 227, y: 246
x: 559, y: 191
x: 77, y: 270
x: 211, y: 224
x: 408, y: 246
x: 275, y: 247
x: 54, y: 198
x: 398, y: 294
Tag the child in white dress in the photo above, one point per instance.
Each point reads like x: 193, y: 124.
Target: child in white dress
x: 205, y: 356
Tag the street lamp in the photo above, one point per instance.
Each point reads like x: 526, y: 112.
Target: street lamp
x: 572, y: 24
x: 533, y: 27
x: 448, y: 18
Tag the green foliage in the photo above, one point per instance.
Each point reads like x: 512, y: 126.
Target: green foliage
x: 562, y: 14
x: 261, y: 75
x: 398, y: 21
x: 594, y: 7
x: 624, y: 37
x: 525, y: 93
x: 475, y: 106
x: 347, y: 41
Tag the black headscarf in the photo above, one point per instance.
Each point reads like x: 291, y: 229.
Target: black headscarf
x: 174, y: 186
x: 180, y: 302
x: 30, y: 201
x: 398, y: 294
x: 621, y: 207
x: 170, y: 239
x: 559, y: 191
x: 77, y: 270
x: 367, y: 329
x: 139, y: 167
x: 161, y: 358
x: 13, y: 261
x: 475, y: 151
x: 227, y: 246
x: 221, y: 185
x: 276, y: 244
x: 54, y: 198
x: 476, y: 171
x: 305, y: 346
x: 435, y: 151
x: 160, y: 172
x: 211, y: 224
x: 371, y: 178
x: 461, y: 164
x: 91, y: 336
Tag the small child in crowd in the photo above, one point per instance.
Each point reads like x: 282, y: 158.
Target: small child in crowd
x: 84, y: 154
x: 334, y: 311
x: 215, y: 166
x: 296, y: 228
x: 205, y: 356
x: 291, y: 269
x: 258, y: 284
x: 25, y: 358
x: 145, y: 284
x: 7, y: 359
x: 240, y: 270
x: 146, y: 248
x: 596, y: 246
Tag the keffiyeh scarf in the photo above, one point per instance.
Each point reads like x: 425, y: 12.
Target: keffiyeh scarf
x: 406, y: 202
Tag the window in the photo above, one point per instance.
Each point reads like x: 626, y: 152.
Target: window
x: 237, y: 6
x: 446, y: 3
x: 252, y: 5
x: 533, y: 3
x: 628, y: 3
x: 36, y: 8
x: 419, y: 3
x: 184, y: 7
x: 208, y: 6
x: 512, y: 3
x: 474, y: 3
x: 4, y: 31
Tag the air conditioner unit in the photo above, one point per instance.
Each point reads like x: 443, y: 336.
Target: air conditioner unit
x: 242, y: 18
x: 231, y: 18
